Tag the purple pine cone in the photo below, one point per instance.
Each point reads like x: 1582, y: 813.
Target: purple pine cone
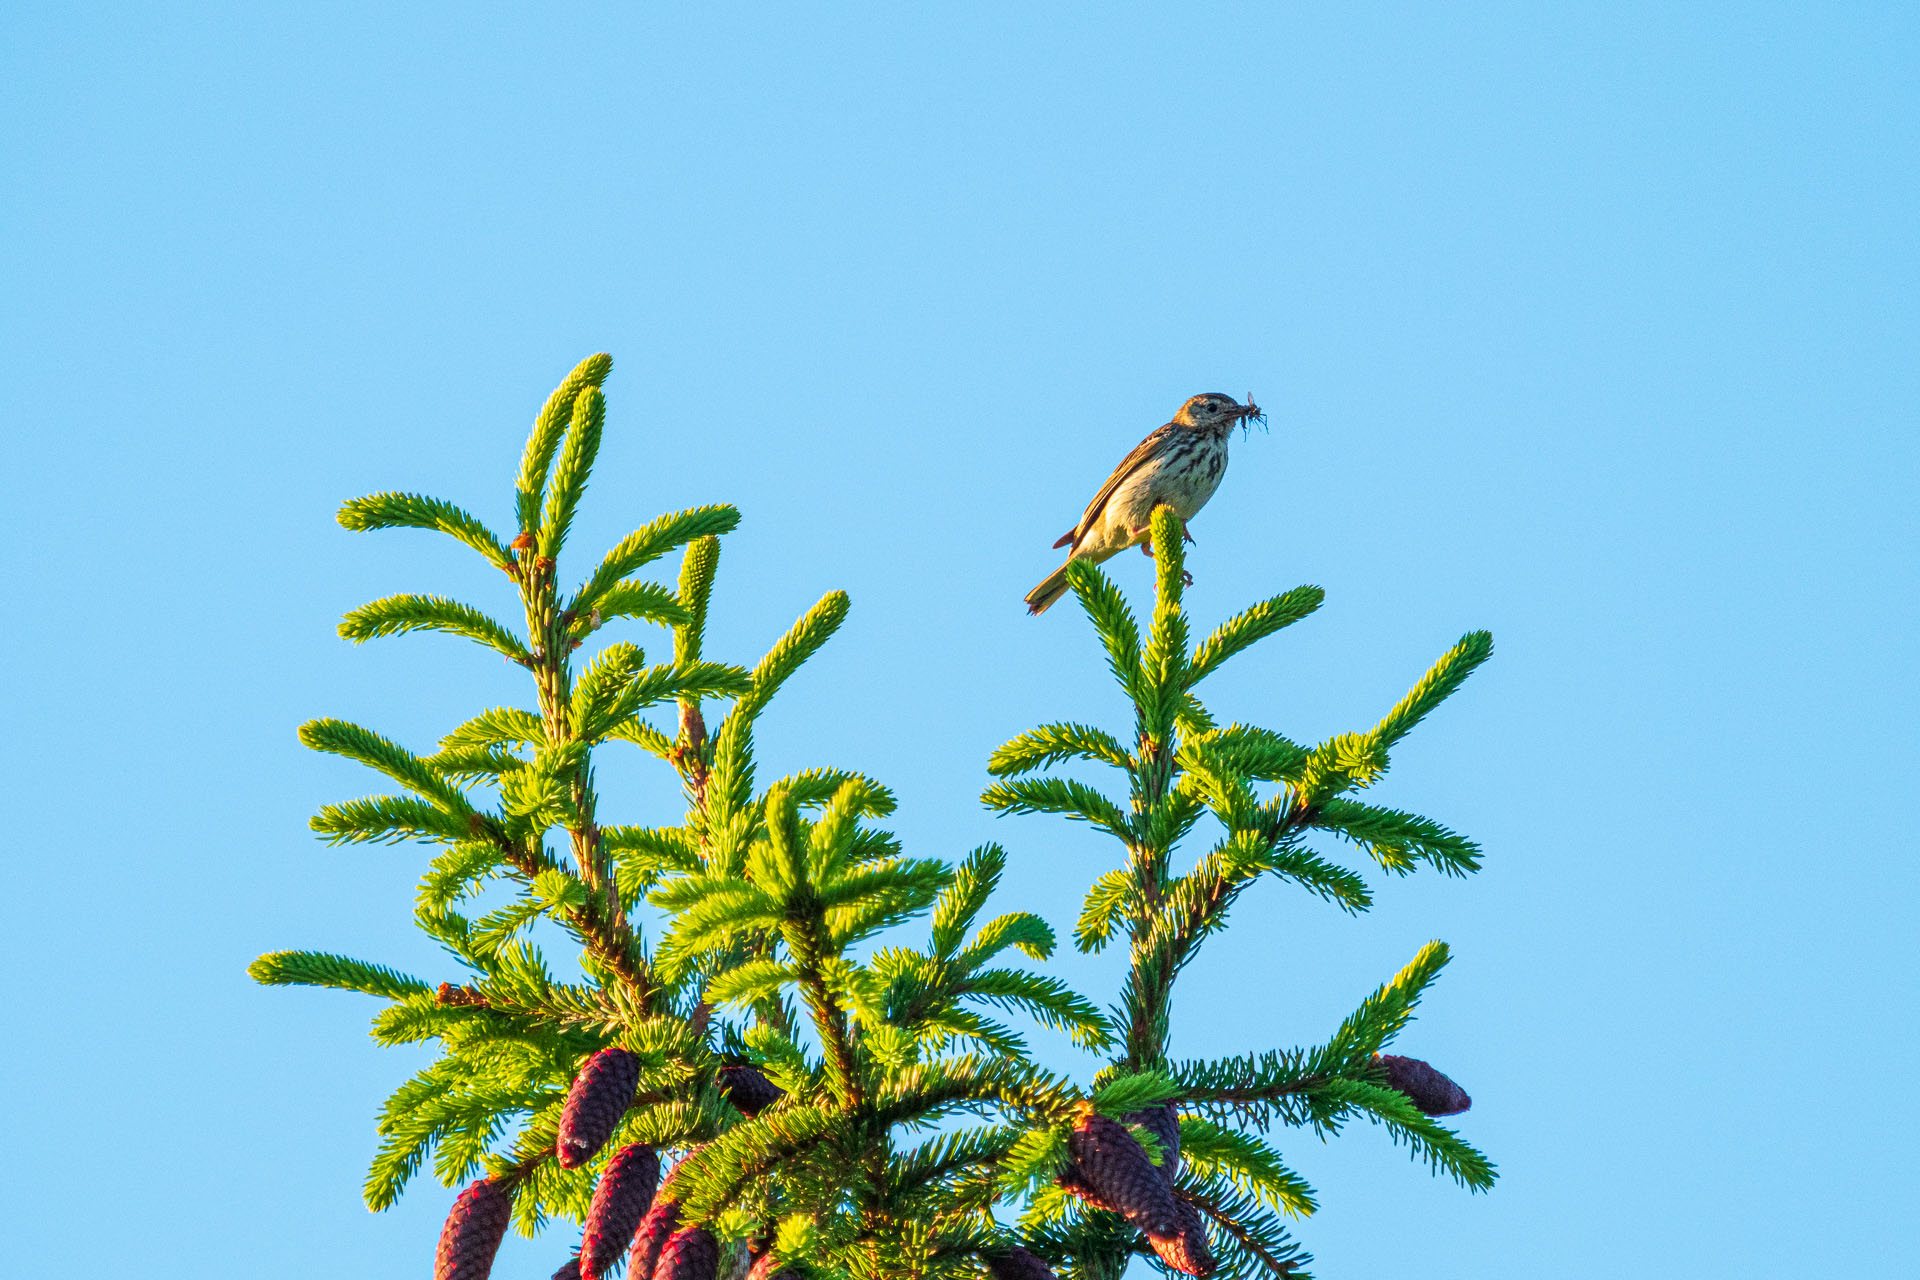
x: 748, y: 1089
x: 1071, y: 1181
x: 1186, y: 1250
x: 1117, y: 1170
x: 1019, y: 1264
x: 601, y: 1094
x: 619, y: 1202
x: 475, y: 1227
x: 1426, y: 1089
x: 692, y: 1254
x: 655, y: 1230
x: 1163, y: 1122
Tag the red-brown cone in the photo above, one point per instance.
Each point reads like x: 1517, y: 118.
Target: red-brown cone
x: 748, y: 1090
x: 569, y: 1272
x: 655, y: 1230
x: 769, y: 1267
x: 475, y: 1227
x: 1071, y: 1182
x: 601, y: 1094
x: 1018, y: 1264
x: 1116, y: 1169
x: 1427, y: 1089
x: 1186, y: 1250
x: 619, y: 1202
x: 692, y: 1254
x: 1163, y: 1122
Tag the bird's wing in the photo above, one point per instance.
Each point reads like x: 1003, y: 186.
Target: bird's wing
x: 1152, y: 447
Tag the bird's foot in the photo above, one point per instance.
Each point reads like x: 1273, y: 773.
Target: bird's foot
x: 1186, y: 579
x: 1184, y: 535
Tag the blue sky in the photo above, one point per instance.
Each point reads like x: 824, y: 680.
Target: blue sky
x: 1591, y: 325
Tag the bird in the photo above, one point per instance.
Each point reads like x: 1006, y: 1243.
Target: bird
x: 1179, y: 464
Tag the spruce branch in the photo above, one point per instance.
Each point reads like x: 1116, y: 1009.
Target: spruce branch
x: 961, y: 901
x: 811, y: 788
x: 455, y: 871
x: 498, y: 726
x: 544, y: 440
x: 1251, y: 626
x: 396, y: 614
x: 1165, y: 659
x: 645, y: 545
x: 801, y: 642
x: 318, y: 969
x: 1256, y: 1243
x: 648, y: 601
x: 803, y: 928
x: 417, y: 511
x: 1020, y: 929
x: 1107, y: 900
x: 1381, y: 1016
x: 386, y: 819
x: 341, y: 738
x: 1107, y: 609
x: 1397, y: 840
x: 1053, y: 743
x: 1058, y: 795
x: 1260, y: 754
x: 1440, y: 1147
x: 569, y: 479
x: 1245, y: 1162
x: 690, y: 755
x: 1445, y: 676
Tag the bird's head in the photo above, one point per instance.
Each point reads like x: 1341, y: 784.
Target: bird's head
x: 1217, y: 412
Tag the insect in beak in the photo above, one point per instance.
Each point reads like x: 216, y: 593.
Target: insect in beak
x: 1251, y: 413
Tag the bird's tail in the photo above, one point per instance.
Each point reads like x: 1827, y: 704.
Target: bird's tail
x: 1052, y: 588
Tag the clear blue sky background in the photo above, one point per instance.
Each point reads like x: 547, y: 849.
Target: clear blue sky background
x: 1593, y: 325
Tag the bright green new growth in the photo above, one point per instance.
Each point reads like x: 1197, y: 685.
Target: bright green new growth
x: 1182, y: 766
x: 910, y: 1110
x: 770, y: 896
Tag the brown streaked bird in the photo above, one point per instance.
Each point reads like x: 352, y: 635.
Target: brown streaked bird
x: 1179, y: 465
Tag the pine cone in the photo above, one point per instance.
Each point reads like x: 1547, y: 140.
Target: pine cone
x: 655, y: 1230
x: 619, y: 1202
x: 475, y: 1227
x: 569, y: 1272
x: 692, y: 1254
x: 1426, y: 1089
x: 1186, y: 1250
x: 601, y: 1094
x: 769, y: 1267
x: 1163, y: 1122
x: 748, y: 1089
x: 1071, y: 1182
x: 1116, y: 1169
x: 1018, y: 1263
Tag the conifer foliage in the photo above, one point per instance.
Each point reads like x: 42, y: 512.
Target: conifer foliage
x: 743, y: 1075
x: 1228, y: 1188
